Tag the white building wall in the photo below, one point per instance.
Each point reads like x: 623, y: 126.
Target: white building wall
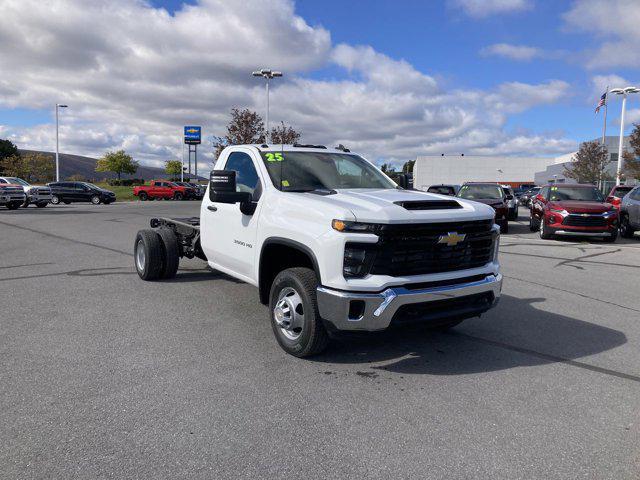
x: 456, y: 170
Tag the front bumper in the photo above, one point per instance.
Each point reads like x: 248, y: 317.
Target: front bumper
x: 376, y: 311
x: 39, y: 197
x: 12, y: 197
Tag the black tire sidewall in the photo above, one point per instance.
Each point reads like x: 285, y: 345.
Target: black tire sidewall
x: 171, y: 254
x: 154, y: 255
x: 285, y: 279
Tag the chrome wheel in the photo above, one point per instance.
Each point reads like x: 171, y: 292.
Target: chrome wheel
x: 55, y: 200
x: 140, y: 256
x: 289, y: 313
x: 95, y: 200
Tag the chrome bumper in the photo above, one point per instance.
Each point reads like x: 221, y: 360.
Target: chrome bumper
x: 380, y: 308
x: 39, y: 197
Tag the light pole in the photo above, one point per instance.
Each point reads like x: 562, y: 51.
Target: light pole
x: 58, y: 106
x: 624, y: 92
x: 267, y: 74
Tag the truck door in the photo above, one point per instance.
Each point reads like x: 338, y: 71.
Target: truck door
x: 230, y: 235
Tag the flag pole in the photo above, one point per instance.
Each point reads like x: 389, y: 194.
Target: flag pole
x: 604, y: 132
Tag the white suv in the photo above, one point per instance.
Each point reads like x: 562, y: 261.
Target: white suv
x: 36, y: 194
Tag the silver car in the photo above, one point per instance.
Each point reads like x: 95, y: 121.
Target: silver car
x: 512, y: 202
x: 630, y: 213
x: 39, y: 195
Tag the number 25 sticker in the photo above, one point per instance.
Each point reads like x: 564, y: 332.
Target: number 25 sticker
x: 274, y: 157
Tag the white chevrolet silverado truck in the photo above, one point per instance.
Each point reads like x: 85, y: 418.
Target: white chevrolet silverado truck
x: 332, y: 244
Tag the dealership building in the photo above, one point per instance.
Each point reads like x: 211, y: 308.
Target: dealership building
x: 458, y: 169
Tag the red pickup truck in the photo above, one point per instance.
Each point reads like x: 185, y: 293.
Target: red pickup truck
x: 162, y: 189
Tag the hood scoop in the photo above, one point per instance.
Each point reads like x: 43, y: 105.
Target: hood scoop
x: 429, y: 204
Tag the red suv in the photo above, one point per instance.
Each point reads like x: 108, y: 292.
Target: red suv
x: 573, y: 209
x: 616, y: 194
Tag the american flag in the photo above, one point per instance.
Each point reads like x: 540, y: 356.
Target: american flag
x: 602, y: 102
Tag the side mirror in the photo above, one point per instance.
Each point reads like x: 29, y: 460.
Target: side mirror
x: 222, y: 188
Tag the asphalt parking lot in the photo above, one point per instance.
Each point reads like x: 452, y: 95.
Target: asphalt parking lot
x: 105, y: 376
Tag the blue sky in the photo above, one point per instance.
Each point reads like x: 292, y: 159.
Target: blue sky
x: 561, y: 44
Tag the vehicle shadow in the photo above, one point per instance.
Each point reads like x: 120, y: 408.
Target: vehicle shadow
x: 515, y: 334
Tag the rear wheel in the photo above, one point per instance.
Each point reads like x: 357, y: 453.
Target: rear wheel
x: 295, y: 319
x: 143, y: 196
x: 66, y: 202
x: 626, y: 230
x: 148, y: 254
x: 55, y: 199
x: 171, y: 254
x: 41, y: 204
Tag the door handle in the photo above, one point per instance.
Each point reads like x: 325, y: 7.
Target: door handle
x: 212, y: 208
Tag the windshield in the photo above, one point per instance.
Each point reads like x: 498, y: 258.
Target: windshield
x: 580, y: 194
x: 307, y: 171
x: 471, y: 192
x: 621, y: 191
x: 17, y: 181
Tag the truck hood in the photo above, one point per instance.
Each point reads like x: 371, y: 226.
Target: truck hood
x: 381, y: 206
x: 573, y: 206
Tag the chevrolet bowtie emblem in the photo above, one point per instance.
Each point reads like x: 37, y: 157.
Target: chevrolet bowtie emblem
x: 451, y: 239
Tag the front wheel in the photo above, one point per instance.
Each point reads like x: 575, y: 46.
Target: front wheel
x: 143, y: 196
x: 95, y: 199
x: 611, y: 238
x: 177, y: 196
x: 55, y: 200
x: 41, y: 204
x: 545, y: 234
x: 625, y: 227
x: 14, y: 205
x: 295, y: 319
x: 533, y: 225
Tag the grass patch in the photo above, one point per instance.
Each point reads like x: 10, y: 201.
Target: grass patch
x: 123, y: 194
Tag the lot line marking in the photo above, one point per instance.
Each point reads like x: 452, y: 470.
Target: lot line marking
x: 569, y: 260
x: 573, y: 293
x: 59, y: 237
x: 546, y: 356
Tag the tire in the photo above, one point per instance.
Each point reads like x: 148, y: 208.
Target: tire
x: 544, y: 231
x: 66, y: 202
x: 95, y: 200
x: 41, y: 204
x: 626, y: 230
x: 170, y: 252
x: 533, y: 225
x: 296, y: 287
x: 178, y: 196
x: 55, y: 200
x: 611, y: 238
x: 514, y: 215
x: 504, y: 226
x: 14, y: 205
x: 148, y: 254
x: 25, y: 204
x: 143, y: 196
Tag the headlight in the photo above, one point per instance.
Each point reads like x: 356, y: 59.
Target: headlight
x: 356, y: 227
x: 496, y: 247
x: 357, y: 260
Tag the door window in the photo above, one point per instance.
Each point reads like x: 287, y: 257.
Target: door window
x: 247, y: 179
x: 544, y: 192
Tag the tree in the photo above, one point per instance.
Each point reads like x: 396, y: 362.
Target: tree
x: 408, y: 166
x: 77, y: 177
x: 32, y: 167
x: 118, y: 162
x: 589, y: 163
x: 244, y: 127
x: 7, y: 149
x: 284, y: 134
x: 173, y: 168
x: 387, y: 168
x: 632, y: 158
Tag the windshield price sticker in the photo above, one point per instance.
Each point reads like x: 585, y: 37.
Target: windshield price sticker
x: 285, y: 183
x: 274, y: 157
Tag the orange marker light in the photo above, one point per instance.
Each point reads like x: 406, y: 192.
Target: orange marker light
x: 338, y: 225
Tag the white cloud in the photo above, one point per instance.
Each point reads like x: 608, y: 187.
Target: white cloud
x: 133, y: 75
x: 615, y: 22
x: 522, y: 53
x: 486, y: 8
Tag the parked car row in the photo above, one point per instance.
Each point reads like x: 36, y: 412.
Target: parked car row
x: 163, y: 189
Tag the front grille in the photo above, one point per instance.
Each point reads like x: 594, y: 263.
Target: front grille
x: 585, y: 221
x: 413, y: 249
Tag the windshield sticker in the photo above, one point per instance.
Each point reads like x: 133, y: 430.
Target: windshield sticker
x: 274, y: 157
x: 285, y: 183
